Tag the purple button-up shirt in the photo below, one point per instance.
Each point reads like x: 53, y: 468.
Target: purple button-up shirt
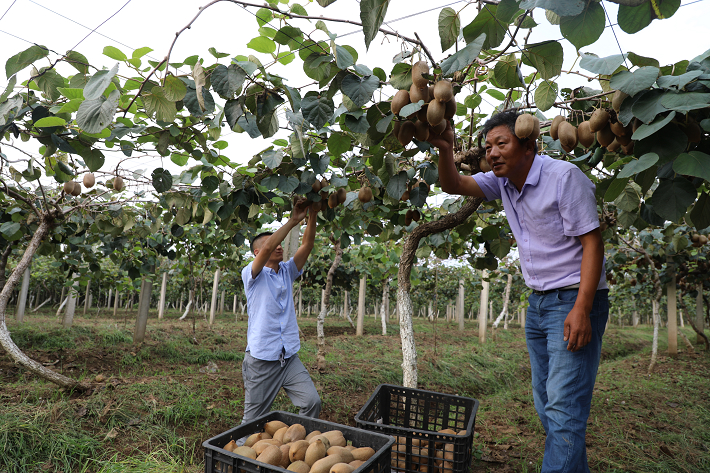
x: 554, y: 207
x: 272, y: 316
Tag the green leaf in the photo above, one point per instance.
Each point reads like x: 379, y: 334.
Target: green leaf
x: 545, y: 95
x: 667, y: 143
x: 317, y: 109
x: 343, y: 58
x: 449, y: 27
x: 384, y: 123
x: 49, y: 82
x: 546, y: 57
x: 162, y: 180
x: 174, y: 89
x: 288, y: 33
x: 227, y: 81
x: 359, y: 89
x: 401, y: 76
x: 50, y: 121
x: 508, y: 10
x: 638, y: 165
x: 99, y: 82
x: 603, y: 66
x: 232, y: 111
x: 156, y: 104
x: 686, y: 101
x: 700, y: 215
x: 461, y: 59
x: 114, y: 53
x: 633, y: 19
x: 325, y: 3
x: 647, y: 130
x: 272, y: 158
x: 678, y: 81
x: 8, y: 90
x: 632, y: 83
x: 506, y: 72
x: 338, y: 144
x: 486, y: 22
x: 97, y: 114
x: 410, y: 108
x: 262, y: 44
x: 500, y: 247
x: 179, y: 159
x: 673, y: 197
x: 9, y: 228
x: 585, y: 28
x: 21, y: 60
x: 648, y: 105
x: 641, y: 61
x: 140, y: 52
x: 615, y: 189
x: 78, y: 61
x: 72, y: 93
x: 263, y: 16
x: 397, y: 185
x: 372, y: 14
x: 560, y: 7
x: 694, y: 163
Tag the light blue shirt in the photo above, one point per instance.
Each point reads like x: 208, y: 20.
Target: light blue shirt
x: 273, y: 328
x: 555, y: 206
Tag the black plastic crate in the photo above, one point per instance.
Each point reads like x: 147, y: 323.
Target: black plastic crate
x: 219, y: 460
x: 415, y: 417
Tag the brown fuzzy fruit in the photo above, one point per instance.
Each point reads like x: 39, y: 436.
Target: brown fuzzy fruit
x: 624, y: 140
x: 555, y: 126
x: 405, y: 196
x: 245, y: 452
x: 271, y: 455
x: 418, y: 69
x: 400, y: 99
x: 342, y: 195
x: 431, y: 93
x: 89, y: 180
x: 315, y: 451
x: 483, y: 165
x: 613, y: 146
x: 435, y: 112
x: 406, y: 133
x: 443, y: 90
x: 524, y: 125
x: 364, y: 195
x: 568, y: 136
x: 617, y: 100
x: 617, y: 128
x: 450, y: 110
x: 416, y: 216
x: 586, y: 137
x: 118, y: 183
x: 316, y: 186
x: 439, y: 129
x: 421, y: 130
x: 605, y: 136
x: 418, y: 93
x: 299, y: 466
x: 421, y: 114
x: 333, y: 201
x: 396, y: 128
x: 77, y: 189
x: 317, y: 206
x: 68, y: 187
x: 628, y: 149
x: 599, y: 119
x: 408, y: 218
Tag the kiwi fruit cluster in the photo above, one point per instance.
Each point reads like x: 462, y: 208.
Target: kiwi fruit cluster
x: 601, y: 127
x: 439, y: 106
x: 72, y: 188
x: 293, y: 448
x: 698, y: 240
x: 422, y: 450
x: 332, y: 199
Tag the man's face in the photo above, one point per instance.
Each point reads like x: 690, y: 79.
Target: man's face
x: 506, y: 156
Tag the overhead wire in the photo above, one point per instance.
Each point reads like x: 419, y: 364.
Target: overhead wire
x: 102, y: 23
x: 8, y: 9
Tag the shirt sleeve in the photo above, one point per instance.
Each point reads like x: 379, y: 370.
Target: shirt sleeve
x: 293, y: 271
x: 247, y: 278
x: 577, y: 203
x: 489, y: 184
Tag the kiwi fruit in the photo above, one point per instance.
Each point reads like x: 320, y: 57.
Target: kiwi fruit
x: 317, y: 206
x: 623, y: 140
x: 613, y: 146
x: 332, y: 203
x: 421, y: 130
x: 450, y: 109
x: 323, y: 198
x: 418, y: 69
x: 443, y: 90
x: 344, y: 453
x: 431, y: 93
x: 568, y: 136
x: 405, y: 196
x: 279, y: 434
x: 628, y: 149
x: 89, y: 180
x: 245, y: 452
x: 315, y: 187
x: 416, y: 216
x: 483, y: 165
x: 525, y: 126
x: 271, y: 455
x: 76, y: 191
x: 285, y: 461
x: 364, y: 195
x: 605, y: 136
x: 315, y: 452
x: 315, y: 433
x: 400, y: 99
x: 325, y: 464
x: 617, y: 128
x: 342, y: 468
x: 297, y: 431
x: 342, y: 197
x: 68, y: 187
x: 418, y: 93
x: 357, y: 463
x: 253, y: 439
x: 421, y: 114
x: 617, y: 99
x: 364, y: 453
x: 396, y: 128
x: 230, y: 446
x: 297, y: 450
x: 635, y: 125
x: 555, y: 126
x: 118, y: 183
x: 585, y: 136
x: 435, y: 112
x: 439, y: 129
x: 599, y: 119
x: 299, y: 466
x: 406, y: 133
x: 408, y: 218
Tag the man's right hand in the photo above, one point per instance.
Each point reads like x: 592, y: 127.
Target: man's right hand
x: 445, y: 140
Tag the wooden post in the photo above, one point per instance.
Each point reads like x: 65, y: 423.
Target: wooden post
x: 483, y: 317
x: 116, y: 302
x: 71, y: 304
x: 215, y: 287
x: 672, y: 311
x: 108, y: 300
x: 143, y: 309
x: 361, y: 307
x: 163, y: 290
x: 221, y: 301
x: 523, y: 314
x: 22, y: 302
x: 459, y: 306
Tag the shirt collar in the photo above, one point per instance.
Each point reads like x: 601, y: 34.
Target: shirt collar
x: 533, y: 177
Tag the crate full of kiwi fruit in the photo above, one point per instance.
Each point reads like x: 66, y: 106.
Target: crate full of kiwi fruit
x: 433, y: 431
x: 284, y: 442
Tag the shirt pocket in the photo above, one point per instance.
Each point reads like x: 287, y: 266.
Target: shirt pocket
x: 549, y: 228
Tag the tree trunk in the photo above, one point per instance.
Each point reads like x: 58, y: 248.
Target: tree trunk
x: 215, y: 288
x: 404, y: 302
x: 143, y: 309
x: 108, y: 300
x: 654, y: 345
x: 506, y: 300
x: 87, y: 300
x: 234, y: 306
x: 116, y: 302
x: 483, y: 316
x: 3, y: 263
x: 361, y: 307
x: 191, y: 296
x: 71, y: 304
x: 5, y: 339
x: 163, y: 290
x: 346, y: 309
x: 384, y: 312
x: 672, y: 312
x: 523, y: 314
x: 22, y: 301
x: 221, y: 301
x: 320, y: 356
x: 460, y: 307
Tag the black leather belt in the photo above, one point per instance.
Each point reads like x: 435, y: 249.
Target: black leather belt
x: 548, y: 291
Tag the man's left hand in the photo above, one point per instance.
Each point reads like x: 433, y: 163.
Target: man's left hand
x: 578, y: 330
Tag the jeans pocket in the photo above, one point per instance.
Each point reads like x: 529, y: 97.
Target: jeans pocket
x: 567, y: 297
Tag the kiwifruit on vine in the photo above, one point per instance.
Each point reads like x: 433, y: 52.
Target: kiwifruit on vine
x: 568, y: 136
x: 406, y: 133
x: 585, y: 135
x: 617, y: 99
x: 118, y: 183
x: 698, y: 240
x: 364, y: 195
x: 68, y: 187
x: 333, y: 200
x: 400, y: 99
x: 77, y: 189
x: 89, y: 180
x: 555, y: 126
x: 605, y: 136
x: 483, y: 165
x: 598, y: 120
x: 342, y: 195
x: 418, y: 69
x: 527, y: 126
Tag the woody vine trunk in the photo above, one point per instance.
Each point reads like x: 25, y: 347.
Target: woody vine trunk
x: 404, y: 285
x: 320, y: 356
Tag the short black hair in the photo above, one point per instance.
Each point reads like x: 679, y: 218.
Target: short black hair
x: 507, y: 119
x: 260, y: 235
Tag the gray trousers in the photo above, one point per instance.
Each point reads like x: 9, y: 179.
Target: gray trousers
x: 264, y: 379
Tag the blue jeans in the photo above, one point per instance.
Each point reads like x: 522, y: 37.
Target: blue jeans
x: 563, y: 381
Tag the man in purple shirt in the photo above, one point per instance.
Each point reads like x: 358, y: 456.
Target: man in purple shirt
x: 271, y: 359
x: 552, y: 211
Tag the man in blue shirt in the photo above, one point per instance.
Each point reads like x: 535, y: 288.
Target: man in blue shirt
x: 552, y: 211
x: 271, y: 359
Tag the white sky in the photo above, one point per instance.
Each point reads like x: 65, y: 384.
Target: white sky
x: 228, y: 28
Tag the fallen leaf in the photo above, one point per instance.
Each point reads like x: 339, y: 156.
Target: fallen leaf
x: 667, y: 451
x: 112, y: 434
x: 81, y: 412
